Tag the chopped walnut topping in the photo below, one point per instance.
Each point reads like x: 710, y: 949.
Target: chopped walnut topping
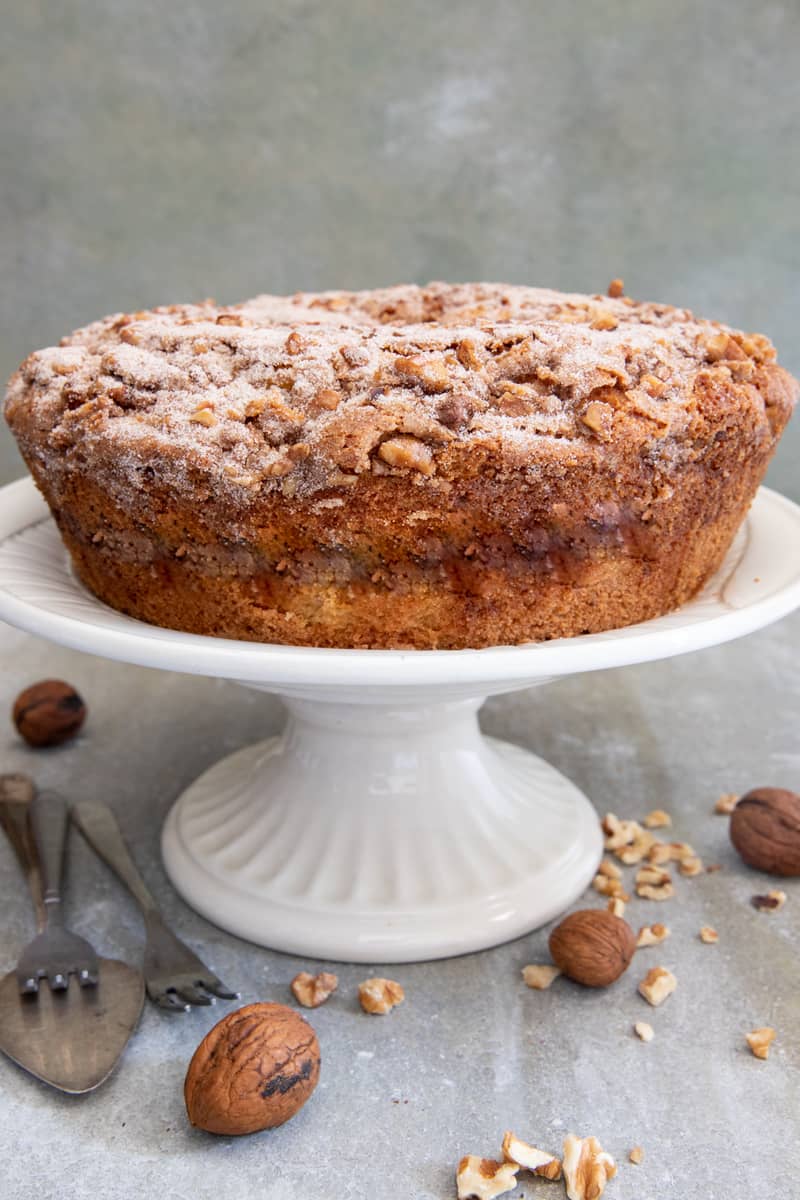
x: 654, y: 387
x: 294, y: 343
x: 636, y: 1155
x: 313, y: 990
x: 379, y: 995
x: 431, y: 373
x: 607, y: 867
x: 657, y: 985
x: 327, y: 398
x: 484, y: 1178
x: 616, y: 905
x: 604, y: 321
x: 651, y: 935
x: 528, y: 1158
x: 644, y: 1031
x: 616, y: 289
x: 708, y: 935
x: 657, y: 819
x: 587, y: 1167
x: 726, y: 803
x: 770, y: 902
x: 618, y: 833
x: 691, y: 865
x: 596, y: 416
x: 760, y: 1040
x: 406, y: 451
x: 540, y: 975
x: 467, y: 355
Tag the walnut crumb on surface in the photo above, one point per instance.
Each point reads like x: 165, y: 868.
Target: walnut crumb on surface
x: 657, y: 985
x: 313, y: 990
x: 636, y: 1155
x: 587, y: 1167
x: 483, y: 1178
x: 644, y: 1031
x: 651, y: 935
x: 760, y: 1040
x: 726, y: 804
x: 770, y: 902
x: 529, y: 1158
x: 378, y: 995
x: 616, y: 905
x: 657, y: 819
x: 708, y: 935
x: 540, y: 975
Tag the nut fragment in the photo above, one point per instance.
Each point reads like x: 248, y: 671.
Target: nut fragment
x: 657, y: 819
x: 607, y: 886
x: 528, y: 1158
x: 760, y: 1040
x: 636, y: 1155
x: 644, y: 1031
x: 409, y: 452
x: 48, y: 713
x: 770, y: 902
x: 616, y: 289
x: 203, y: 416
x: 540, y: 975
x: 587, y: 1167
x: 484, y: 1178
x: 616, y: 905
x: 652, y: 883
x: 609, y: 868
x: 592, y: 946
x: 657, y: 984
x: 313, y: 990
x: 254, y: 1070
x: 765, y: 829
x: 691, y: 865
x: 651, y: 935
x: 726, y: 803
x: 431, y: 373
x: 379, y: 995
x: 708, y: 935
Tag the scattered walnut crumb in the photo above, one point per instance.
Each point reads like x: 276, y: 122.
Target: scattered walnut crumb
x: 664, y: 852
x: 483, y: 1178
x: 609, y: 887
x: 616, y: 905
x: 313, y: 990
x: 616, y: 289
x: 657, y: 985
x: 644, y: 1031
x: 708, y: 935
x: 605, y: 321
x: 691, y: 865
x: 657, y: 819
x: 203, y: 416
x: 609, y: 868
x: 770, y: 902
x: 379, y: 995
x: 587, y: 1167
x: 638, y: 848
x: 726, y: 803
x: 408, y: 452
x: 651, y: 935
x: 540, y: 975
x: 652, y: 883
x: 528, y: 1158
x: 760, y: 1040
x: 636, y: 1155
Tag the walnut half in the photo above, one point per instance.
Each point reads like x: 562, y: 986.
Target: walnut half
x: 483, y: 1178
x: 313, y: 990
x: 380, y: 995
x: 587, y: 1168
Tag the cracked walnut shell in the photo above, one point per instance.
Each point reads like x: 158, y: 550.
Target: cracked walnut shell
x: 255, y: 1069
x: 592, y: 946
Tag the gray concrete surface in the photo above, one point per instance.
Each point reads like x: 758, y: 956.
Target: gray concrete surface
x: 158, y: 152
x: 472, y: 1052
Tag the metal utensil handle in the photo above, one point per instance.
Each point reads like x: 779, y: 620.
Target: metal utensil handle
x: 48, y: 818
x: 99, y: 826
x: 16, y: 793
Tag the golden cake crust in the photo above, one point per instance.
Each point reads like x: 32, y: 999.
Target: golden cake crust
x: 450, y: 466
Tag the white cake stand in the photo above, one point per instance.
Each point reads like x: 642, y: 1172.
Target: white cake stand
x: 381, y: 825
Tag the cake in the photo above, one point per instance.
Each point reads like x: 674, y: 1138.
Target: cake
x: 440, y: 467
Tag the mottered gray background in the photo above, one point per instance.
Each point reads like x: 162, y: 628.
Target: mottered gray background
x: 158, y: 152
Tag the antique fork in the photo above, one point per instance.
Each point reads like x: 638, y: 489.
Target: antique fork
x: 175, y: 978
x: 56, y: 952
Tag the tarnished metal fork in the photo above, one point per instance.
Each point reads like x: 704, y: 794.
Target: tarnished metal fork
x: 56, y: 952
x: 174, y: 976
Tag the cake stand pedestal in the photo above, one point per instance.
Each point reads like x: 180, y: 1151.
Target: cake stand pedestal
x: 381, y: 825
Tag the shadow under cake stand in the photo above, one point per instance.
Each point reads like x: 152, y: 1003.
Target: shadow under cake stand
x: 382, y: 825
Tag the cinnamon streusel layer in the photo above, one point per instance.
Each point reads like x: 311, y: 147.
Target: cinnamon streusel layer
x: 449, y: 466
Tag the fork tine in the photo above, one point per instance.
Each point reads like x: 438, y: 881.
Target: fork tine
x: 212, y: 984
x: 169, y: 1001
x: 194, y: 995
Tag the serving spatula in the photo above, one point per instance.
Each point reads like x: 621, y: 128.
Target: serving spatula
x: 73, y: 1038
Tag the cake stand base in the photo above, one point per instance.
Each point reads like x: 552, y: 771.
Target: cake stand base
x: 377, y: 833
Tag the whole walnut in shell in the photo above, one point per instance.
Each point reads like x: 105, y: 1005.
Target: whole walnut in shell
x: 593, y: 946
x: 765, y: 829
x: 255, y: 1069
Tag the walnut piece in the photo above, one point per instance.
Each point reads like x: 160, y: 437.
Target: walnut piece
x: 651, y: 935
x: 653, y: 883
x: 483, y: 1178
x: 379, y: 995
x: 616, y: 905
x: 636, y: 1155
x: 528, y: 1158
x: 587, y: 1167
x: 616, y: 289
x: 657, y: 985
x: 409, y: 452
x: 540, y: 975
x: 431, y: 373
x: 708, y: 935
x: 770, y: 902
x: 313, y: 990
x: 607, y: 886
x: 692, y: 864
x: 760, y: 1040
x: 644, y: 1031
x: 609, y: 868
x: 726, y: 803
x: 657, y: 819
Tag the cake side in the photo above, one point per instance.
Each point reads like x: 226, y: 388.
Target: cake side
x: 353, y: 480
